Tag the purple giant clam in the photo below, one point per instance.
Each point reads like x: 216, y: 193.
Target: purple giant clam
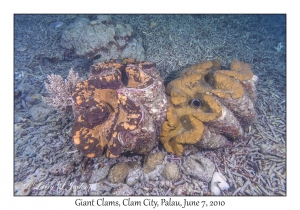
x: 119, y: 108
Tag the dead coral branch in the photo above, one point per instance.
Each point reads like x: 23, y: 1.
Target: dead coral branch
x: 61, y: 90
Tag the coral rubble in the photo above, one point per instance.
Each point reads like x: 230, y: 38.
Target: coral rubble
x: 208, y: 106
x: 120, y: 108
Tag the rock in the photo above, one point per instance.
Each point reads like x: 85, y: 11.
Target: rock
x: 211, y: 140
x: 25, y: 88
x: 118, y: 173
x: 189, y: 149
x: 198, y: 166
x: 134, y: 174
x: 32, y: 99
x: 39, y: 113
x: 275, y: 149
x: 153, y: 166
x: 153, y: 160
x: 99, y: 174
x: 171, y: 172
x: 102, y: 39
x: 153, y: 175
x: 123, y: 190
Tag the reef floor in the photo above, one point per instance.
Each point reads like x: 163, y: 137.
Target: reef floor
x: 46, y: 162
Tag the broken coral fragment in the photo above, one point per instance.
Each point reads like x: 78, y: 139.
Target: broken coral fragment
x: 120, y: 108
x: 218, y: 183
x: 208, y: 106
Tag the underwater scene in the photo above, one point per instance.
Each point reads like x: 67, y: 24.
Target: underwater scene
x: 150, y: 105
